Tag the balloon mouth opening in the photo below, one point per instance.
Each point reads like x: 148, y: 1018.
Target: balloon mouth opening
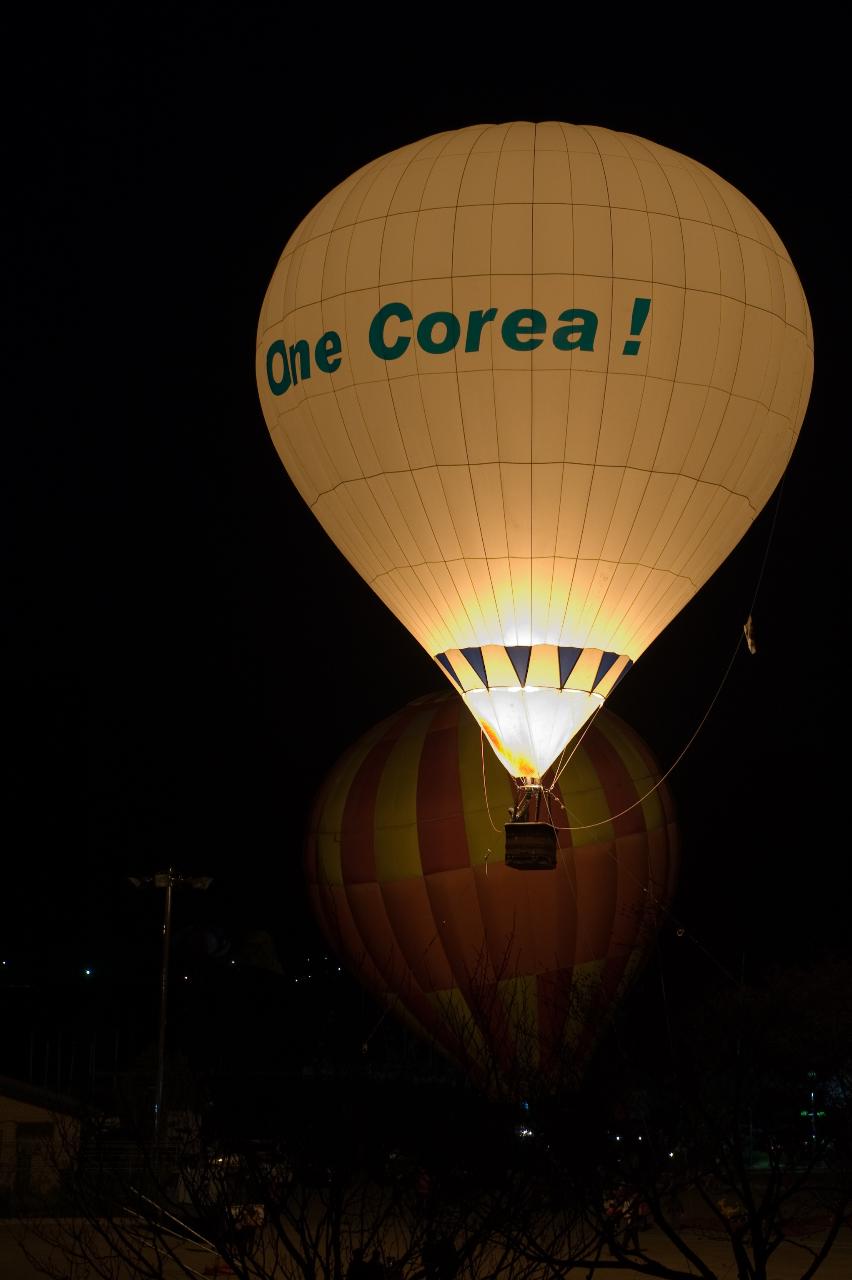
x: 530, y: 701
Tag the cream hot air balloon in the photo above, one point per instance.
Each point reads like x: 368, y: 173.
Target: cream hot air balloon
x: 535, y: 381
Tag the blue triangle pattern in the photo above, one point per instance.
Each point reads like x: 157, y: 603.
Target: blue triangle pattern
x: 627, y: 667
x: 604, y: 665
x: 445, y: 663
x: 519, y: 656
x: 567, y: 662
x: 474, y: 657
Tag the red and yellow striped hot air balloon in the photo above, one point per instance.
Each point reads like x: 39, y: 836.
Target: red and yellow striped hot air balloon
x: 509, y: 974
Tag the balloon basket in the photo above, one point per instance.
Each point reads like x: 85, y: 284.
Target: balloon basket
x: 530, y: 846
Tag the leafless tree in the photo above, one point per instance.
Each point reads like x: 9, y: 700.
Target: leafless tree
x: 726, y: 1147
x: 738, y: 1148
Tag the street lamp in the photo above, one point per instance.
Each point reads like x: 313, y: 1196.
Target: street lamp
x: 168, y: 880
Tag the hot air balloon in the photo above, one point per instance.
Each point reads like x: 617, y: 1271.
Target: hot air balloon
x: 513, y: 976
x: 535, y: 381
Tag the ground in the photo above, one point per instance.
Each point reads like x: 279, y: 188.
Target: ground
x: 789, y: 1263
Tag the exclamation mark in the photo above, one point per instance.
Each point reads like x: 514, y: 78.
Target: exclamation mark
x: 641, y: 307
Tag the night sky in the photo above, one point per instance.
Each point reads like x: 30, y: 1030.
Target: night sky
x: 167, y: 581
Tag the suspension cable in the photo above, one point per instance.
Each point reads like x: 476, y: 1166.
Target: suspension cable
x: 586, y: 826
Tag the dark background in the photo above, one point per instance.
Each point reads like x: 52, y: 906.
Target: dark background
x: 165, y: 581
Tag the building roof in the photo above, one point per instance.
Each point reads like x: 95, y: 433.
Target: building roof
x: 21, y: 1091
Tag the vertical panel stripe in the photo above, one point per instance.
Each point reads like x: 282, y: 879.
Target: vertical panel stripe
x: 440, y: 810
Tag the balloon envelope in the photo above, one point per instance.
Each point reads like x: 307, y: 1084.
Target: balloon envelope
x: 535, y: 381
x: 508, y: 973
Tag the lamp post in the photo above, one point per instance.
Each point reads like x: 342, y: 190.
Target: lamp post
x: 168, y: 880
